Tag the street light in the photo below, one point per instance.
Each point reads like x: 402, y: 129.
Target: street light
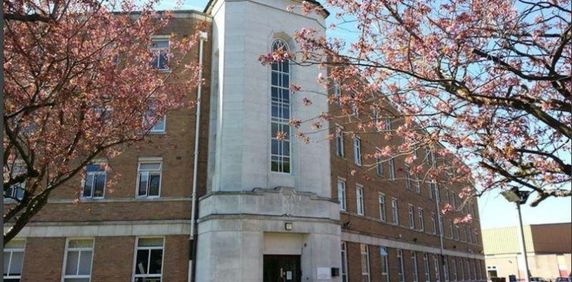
x: 519, y: 197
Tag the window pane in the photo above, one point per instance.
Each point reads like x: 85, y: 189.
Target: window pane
x: 156, y: 260
x: 150, y: 242
x: 85, y: 263
x: 154, y: 182
x: 99, y: 182
x: 86, y: 243
x: 71, y: 262
x: 142, y: 262
x: 16, y: 263
x: 88, y: 186
x: 6, y: 261
x: 143, y: 179
x: 149, y: 166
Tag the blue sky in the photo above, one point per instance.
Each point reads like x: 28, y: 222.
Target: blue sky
x: 495, y: 211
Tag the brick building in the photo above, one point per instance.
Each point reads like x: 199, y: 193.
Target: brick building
x: 268, y: 209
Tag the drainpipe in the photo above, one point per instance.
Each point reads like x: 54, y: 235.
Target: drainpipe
x: 202, y: 37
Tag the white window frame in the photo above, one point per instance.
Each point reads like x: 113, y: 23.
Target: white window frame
x: 391, y: 163
x: 436, y: 268
x: 384, y: 261
x: 360, y: 208
x: 137, y: 248
x: 364, y: 254
x: 387, y: 124
x: 160, y: 170
x: 408, y: 184
x: 11, y: 249
x: 394, y: 211
x: 337, y: 91
x: 453, y: 269
x: 378, y: 164
x: 401, y: 266
x: 421, y: 219
x: 344, y: 269
x: 341, y: 186
x: 411, y: 216
x: 93, y: 174
x: 283, y: 160
x: 339, y: 141
x: 357, y: 151
x: 159, y: 50
x: 80, y: 250
x: 414, y: 264
x: 433, y: 224
x: 382, y: 207
x: 426, y: 267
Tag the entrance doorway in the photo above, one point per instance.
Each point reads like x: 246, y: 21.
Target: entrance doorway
x: 282, y: 268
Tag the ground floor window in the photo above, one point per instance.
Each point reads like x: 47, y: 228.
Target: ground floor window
x: 78, y: 260
x: 13, y: 260
x: 364, y: 262
x: 384, y: 256
x: 400, y: 268
x: 149, y: 260
x: 344, y: 263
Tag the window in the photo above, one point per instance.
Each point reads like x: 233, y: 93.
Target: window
x: 148, y: 260
x: 394, y: 211
x: 426, y: 267
x: 359, y: 199
x: 337, y: 92
x: 344, y: 263
x: 160, y: 50
x: 13, y: 260
x: 453, y: 270
x: 456, y: 232
x: 433, y: 223
x: 387, y: 124
x: 461, y: 273
x: 411, y: 216
x: 450, y: 229
x: 16, y: 191
x: 432, y: 189
x: 280, y: 113
x: 151, y: 121
x: 78, y: 260
x: 149, y: 175
x: 417, y: 184
x: 357, y: 151
x: 414, y: 266
x: 364, y: 262
x: 339, y: 141
x: 375, y: 119
x: 384, y: 257
x: 94, y: 182
x: 400, y: 268
x: 445, y: 269
x: 342, y: 194
x: 436, y: 266
x: 391, y: 169
x: 452, y: 199
x: 408, y: 184
x: 382, y: 214
x: 421, y: 219
x: 378, y: 164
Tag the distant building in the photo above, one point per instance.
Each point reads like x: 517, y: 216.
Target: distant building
x: 548, y: 247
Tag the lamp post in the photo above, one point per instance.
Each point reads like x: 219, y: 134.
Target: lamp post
x: 519, y: 197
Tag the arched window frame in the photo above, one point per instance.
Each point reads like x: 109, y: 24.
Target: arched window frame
x: 280, y: 112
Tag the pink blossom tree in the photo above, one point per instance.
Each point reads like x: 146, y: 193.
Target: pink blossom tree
x: 78, y: 84
x: 484, y: 80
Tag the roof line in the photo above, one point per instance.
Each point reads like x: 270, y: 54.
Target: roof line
x: 320, y: 7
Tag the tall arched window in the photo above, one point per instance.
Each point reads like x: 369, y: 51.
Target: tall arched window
x: 280, y: 158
